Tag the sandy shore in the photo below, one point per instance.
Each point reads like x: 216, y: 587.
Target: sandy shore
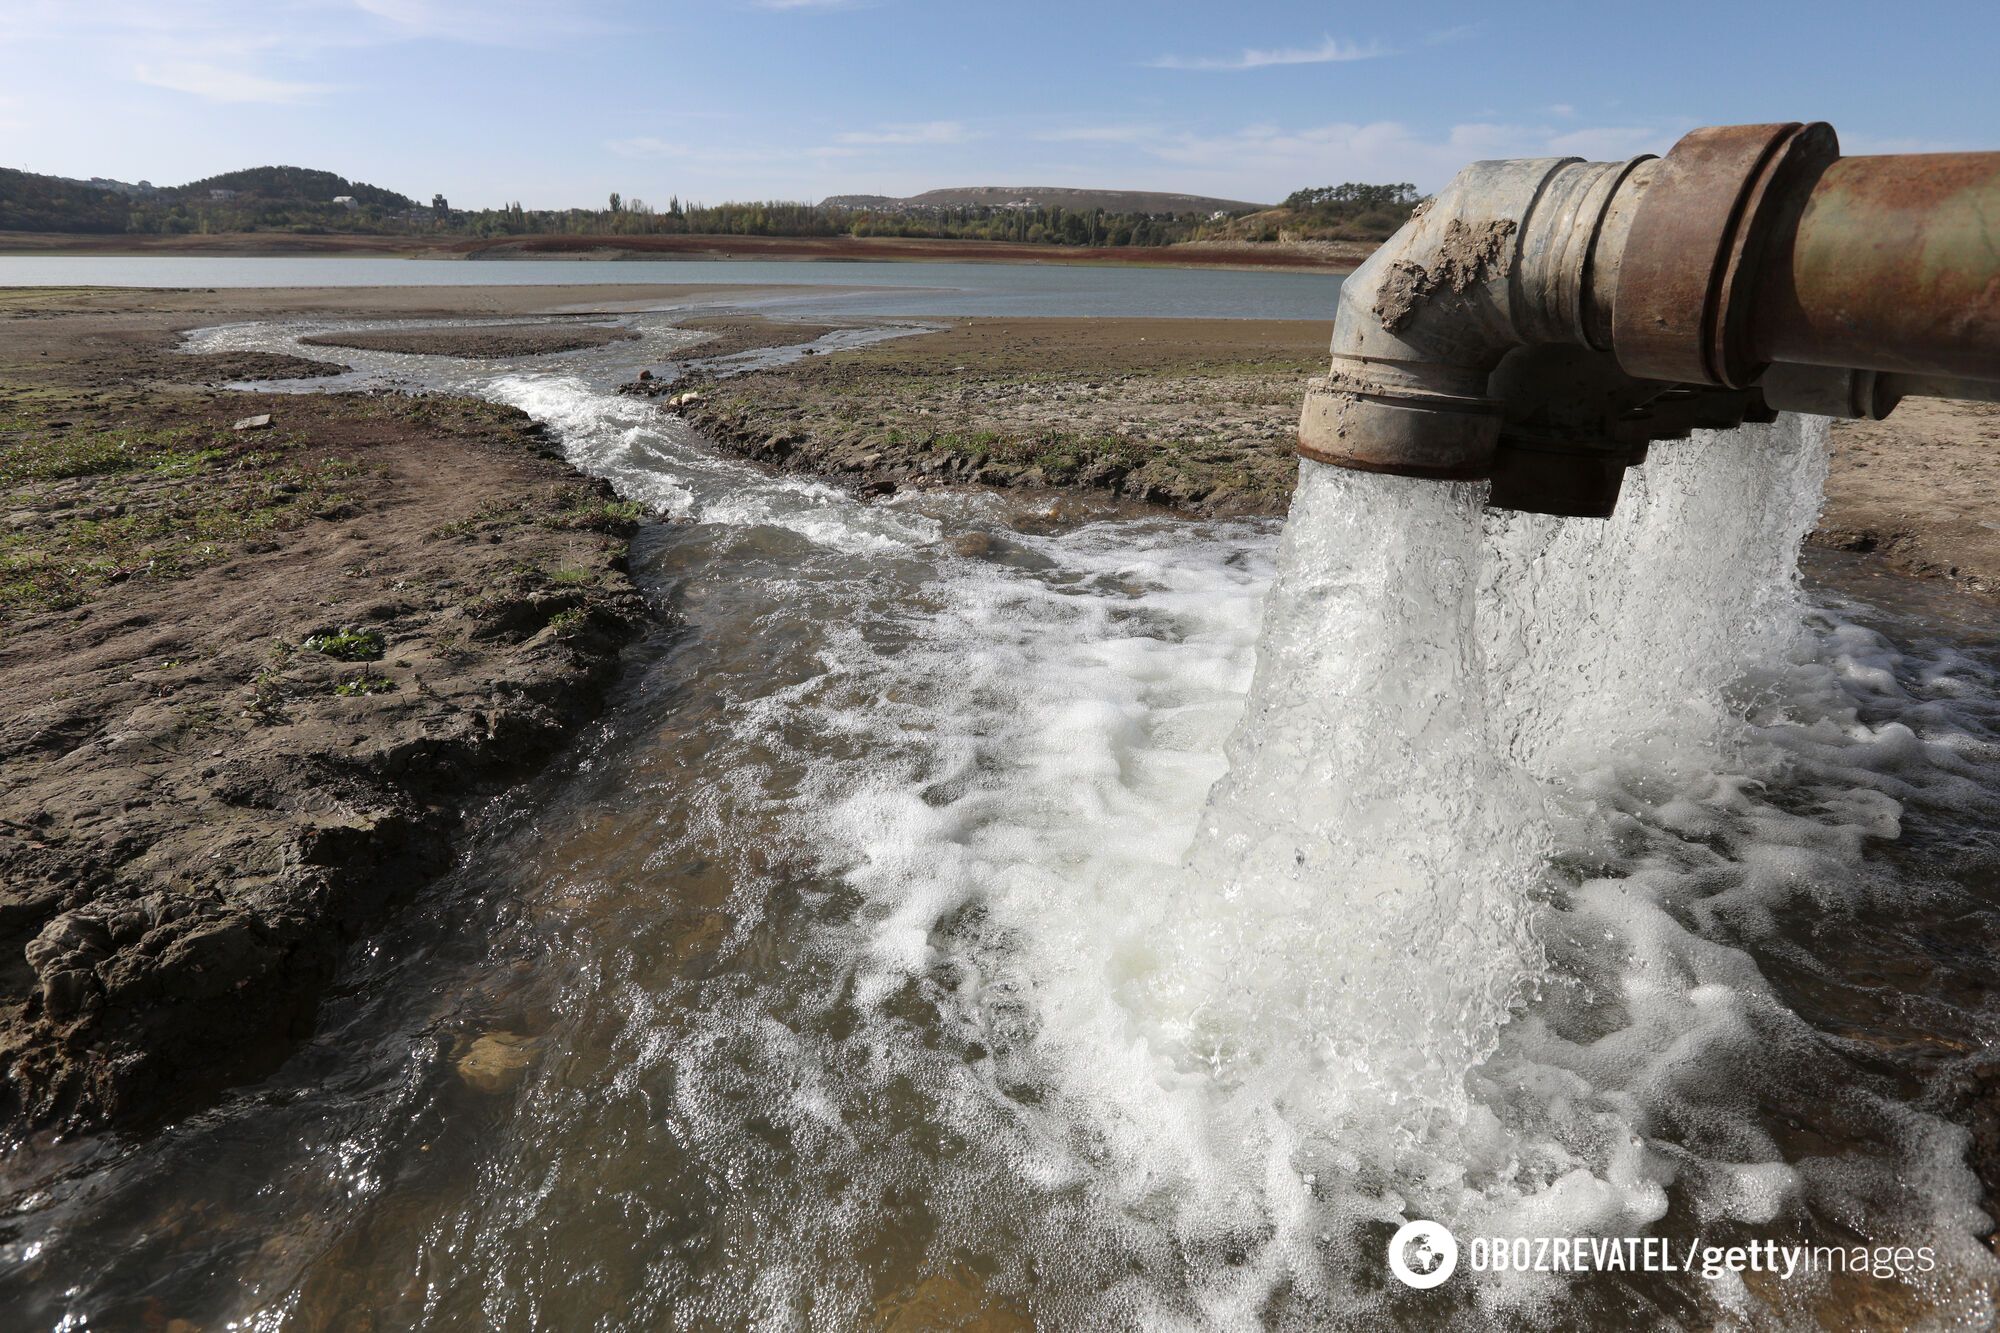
x: 252, y: 681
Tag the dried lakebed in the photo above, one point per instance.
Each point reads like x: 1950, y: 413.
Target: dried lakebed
x: 855, y: 971
x: 252, y: 681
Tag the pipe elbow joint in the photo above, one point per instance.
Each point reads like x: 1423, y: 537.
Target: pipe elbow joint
x: 1540, y: 321
x: 1494, y: 262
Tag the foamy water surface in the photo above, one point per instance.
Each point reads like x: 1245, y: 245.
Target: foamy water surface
x: 1118, y: 922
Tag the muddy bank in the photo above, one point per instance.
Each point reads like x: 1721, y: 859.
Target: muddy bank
x: 733, y: 335
x: 1920, y: 490
x: 1196, y: 415
x: 251, y: 683
x: 1200, y: 416
x: 477, y: 343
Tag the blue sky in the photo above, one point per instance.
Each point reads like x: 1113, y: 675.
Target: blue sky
x: 557, y: 102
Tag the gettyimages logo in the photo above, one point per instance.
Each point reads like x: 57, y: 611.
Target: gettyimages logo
x: 1422, y: 1254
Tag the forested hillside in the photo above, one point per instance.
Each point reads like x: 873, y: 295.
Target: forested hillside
x: 308, y: 201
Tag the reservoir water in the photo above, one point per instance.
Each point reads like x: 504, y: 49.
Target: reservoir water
x: 1130, y: 923
x: 892, y: 289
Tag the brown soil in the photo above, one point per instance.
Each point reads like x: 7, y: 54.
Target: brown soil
x: 478, y: 343
x: 1921, y: 489
x: 250, y: 684
x: 1200, y: 416
x: 733, y: 335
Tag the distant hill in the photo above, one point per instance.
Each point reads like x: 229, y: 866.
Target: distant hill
x: 259, y: 198
x: 296, y: 185
x: 29, y: 202
x: 1129, y: 203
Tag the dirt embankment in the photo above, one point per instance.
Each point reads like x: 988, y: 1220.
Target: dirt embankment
x: 1921, y: 490
x: 251, y: 681
x: 1200, y: 416
x: 509, y: 340
x: 733, y: 335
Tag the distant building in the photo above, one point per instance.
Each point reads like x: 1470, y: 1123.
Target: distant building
x: 219, y: 195
x: 345, y: 201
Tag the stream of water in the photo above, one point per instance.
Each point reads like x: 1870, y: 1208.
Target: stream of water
x: 1127, y: 922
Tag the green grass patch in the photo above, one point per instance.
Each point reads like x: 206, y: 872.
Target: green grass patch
x: 183, y: 509
x: 584, y: 513
x: 348, y: 645
x: 355, y: 686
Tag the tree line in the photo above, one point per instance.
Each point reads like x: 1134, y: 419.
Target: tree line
x: 292, y: 199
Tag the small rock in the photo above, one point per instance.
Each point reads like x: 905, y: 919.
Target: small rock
x: 973, y: 544
x: 496, y: 1061
x: 262, y: 421
x: 645, y: 375
x: 63, y: 993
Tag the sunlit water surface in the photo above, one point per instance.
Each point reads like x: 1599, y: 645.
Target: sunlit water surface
x: 1074, y: 927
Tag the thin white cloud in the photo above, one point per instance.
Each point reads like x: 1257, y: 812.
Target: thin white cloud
x: 646, y: 146
x: 1099, y: 134
x: 218, y: 83
x: 1328, y: 52
x: 480, y: 22
x: 934, y: 131
x: 1463, y: 32
x: 1270, y: 160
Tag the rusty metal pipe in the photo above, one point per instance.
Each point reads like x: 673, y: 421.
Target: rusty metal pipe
x: 1538, y: 322
x: 1884, y: 269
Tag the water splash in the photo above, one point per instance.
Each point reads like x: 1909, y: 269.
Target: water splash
x: 1448, y: 941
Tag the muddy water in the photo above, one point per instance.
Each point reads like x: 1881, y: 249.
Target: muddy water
x: 858, y: 971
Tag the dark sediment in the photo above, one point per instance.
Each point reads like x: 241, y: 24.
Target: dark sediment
x: 1199, y: 416
x: 494, y: 342
x: 251, y: 683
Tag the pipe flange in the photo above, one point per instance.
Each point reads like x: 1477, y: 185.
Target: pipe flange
x: 1410, y: 432
x: 1686, y: 284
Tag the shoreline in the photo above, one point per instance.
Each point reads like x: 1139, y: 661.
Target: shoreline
x: 1308, y: 257
x: 296, y: 659
x: 1200, y: 417
x: 258, y: 682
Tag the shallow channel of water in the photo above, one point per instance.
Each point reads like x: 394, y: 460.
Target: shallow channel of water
x: 889, y: 954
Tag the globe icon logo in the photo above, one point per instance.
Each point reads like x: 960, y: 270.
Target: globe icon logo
x: 1422, y: 1254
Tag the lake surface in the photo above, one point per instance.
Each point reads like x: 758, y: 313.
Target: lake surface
x: 900, y: 289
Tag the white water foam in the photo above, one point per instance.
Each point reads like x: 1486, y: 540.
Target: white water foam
x: 1463, y: 930
x: 1468, y: 928
x: 655, y: 460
